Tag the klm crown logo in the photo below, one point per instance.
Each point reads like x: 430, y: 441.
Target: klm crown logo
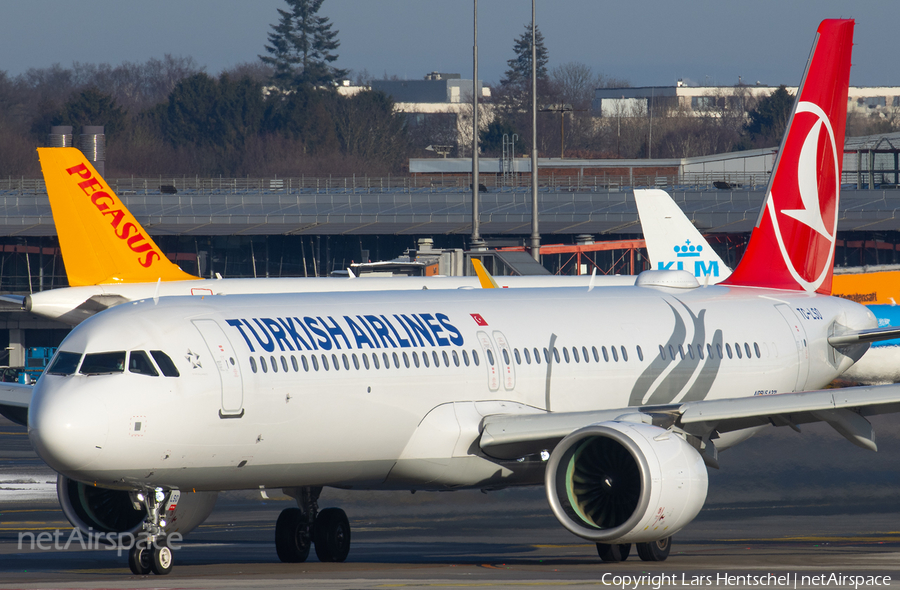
x: 688, y: 250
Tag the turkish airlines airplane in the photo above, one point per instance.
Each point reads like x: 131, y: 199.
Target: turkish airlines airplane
x: 110, y: 259
x: 615, y: 399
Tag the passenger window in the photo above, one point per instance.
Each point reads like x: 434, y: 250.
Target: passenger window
x: 103, y: 362
x: 455, y: 358
x: 365, y: 361
x: 465, y: 357
x: 416, y: 358
x: 596, y: 356
x: 139, y: 362
x: 406, y: 360
x: 624, y: 354
x: 165, y: 364
x: 614, y: 353
x: 335, y: 362
x: 505, y: 356
x: 527, y: 355
x: 690, y: 351
x: 356, y: 362
x: 605, y: 355
x: 756, y: 349
x: 565, y: 354
x: 346, y: 362
x: 262, y: 364
x: 284, y: 364
x: 315, y: 362
x: 252, y: 364
x: 386, y: 359
x: 575, y: 354
x: 728, y: 350
x: 490, y: 356
x: 584, y: 353
x: 518, y: 357
x: 719, y: 350
x: 537, y: 356
x: 681, y: 351
x: 325, y: 362
x: 747, y: 349
x: 375, y: 360
x: 640, y: 353
x: 671, y: 352
x: 737, y: 350
x: 662, y: 352
x: 555, y: 354
x: 294, y: 363
x: 700, y: 351
x: 305, y: 363
x: 65, y: 363
x: 475, y: 358
x: 274, y: 364
x: 397, y: 361
x: 446, y: 359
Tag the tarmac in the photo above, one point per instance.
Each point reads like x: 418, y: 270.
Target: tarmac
x: 785, y: 511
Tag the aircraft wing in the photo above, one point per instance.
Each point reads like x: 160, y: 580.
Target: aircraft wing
x: 512, y: 436
x: 14, y: 401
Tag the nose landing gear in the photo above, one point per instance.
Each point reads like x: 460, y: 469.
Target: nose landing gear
x: 297, y: 529
x: 150, y: 552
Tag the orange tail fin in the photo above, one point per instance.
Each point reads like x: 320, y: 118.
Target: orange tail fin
x: 792, y: 246
x: 101, y: 241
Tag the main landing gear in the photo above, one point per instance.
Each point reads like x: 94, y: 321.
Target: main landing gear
x: 653, y: 551
x: 150, y: 552
x: 298, y: 529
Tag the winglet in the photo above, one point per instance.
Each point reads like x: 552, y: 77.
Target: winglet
x: 100, y: 239
x: 792, y: 246
x: 484, y: 277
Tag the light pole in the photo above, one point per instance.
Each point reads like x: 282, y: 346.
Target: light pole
x: 535, y: 234
x: 476, y: 242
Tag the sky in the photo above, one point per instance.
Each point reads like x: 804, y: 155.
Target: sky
x: 647, y: 42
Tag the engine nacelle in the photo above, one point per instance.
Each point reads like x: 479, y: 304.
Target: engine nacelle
x: 618, y: 482
x: 102, y: 510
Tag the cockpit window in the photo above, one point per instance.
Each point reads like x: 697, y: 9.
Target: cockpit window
x: 165, y: 363
x: 65, y: 363
x: 103, y: 362
x: 139, y: 362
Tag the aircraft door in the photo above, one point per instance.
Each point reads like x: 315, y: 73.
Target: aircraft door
x: 505, y: 361
x: 490, y: 361
x: 801, y: 343
x: 222, y: 353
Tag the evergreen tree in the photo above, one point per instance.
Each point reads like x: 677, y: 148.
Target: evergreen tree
x: 301, y: 46
x: 92, y: 107
x: 519, y: 72
x: 768, y: 121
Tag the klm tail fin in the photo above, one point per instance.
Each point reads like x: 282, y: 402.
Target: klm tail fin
x: 792, y: 246
x: 101, y: 242
x: 672, y: 240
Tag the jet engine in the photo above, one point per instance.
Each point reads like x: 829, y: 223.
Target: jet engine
x: 620, y: 482
x: 102, y: 510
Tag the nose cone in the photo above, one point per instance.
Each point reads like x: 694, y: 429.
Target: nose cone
x: 66, y: 427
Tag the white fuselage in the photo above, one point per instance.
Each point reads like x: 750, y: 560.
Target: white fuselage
x: 73, y: 305
x: 231, y: 421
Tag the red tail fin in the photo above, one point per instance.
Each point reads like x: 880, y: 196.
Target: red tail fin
x: 792, y: 246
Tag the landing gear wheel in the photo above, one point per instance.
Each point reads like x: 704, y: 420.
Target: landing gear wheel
x: 614, y: 553
x: 331, y: 534
x: 292, y: 538
x: 162, y: 560
x: 139, y: 560
x: 656, y: 550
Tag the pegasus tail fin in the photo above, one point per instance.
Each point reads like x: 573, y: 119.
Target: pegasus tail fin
x: 792, y: 246
x: 101, y: 242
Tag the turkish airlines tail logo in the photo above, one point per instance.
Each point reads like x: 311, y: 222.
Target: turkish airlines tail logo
x: 792, y: 246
